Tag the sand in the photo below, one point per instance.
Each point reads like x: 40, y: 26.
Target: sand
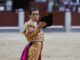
x: 57, y: 46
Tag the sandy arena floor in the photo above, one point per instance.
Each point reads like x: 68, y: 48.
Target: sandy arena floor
x: 57, y: 46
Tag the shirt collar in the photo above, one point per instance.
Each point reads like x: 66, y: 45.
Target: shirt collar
x: 35, y: 23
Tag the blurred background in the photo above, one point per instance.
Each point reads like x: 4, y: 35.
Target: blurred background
x: 62, y: 39
x: 14, y: 13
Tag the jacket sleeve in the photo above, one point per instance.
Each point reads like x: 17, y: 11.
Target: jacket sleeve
x: 31, y: 31
x: 24, y: 28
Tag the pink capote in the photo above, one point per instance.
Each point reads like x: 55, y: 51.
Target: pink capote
x: 25, y: 52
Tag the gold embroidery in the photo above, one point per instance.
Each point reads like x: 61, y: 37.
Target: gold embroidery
x: 31, y: 33
x: 34, y: 51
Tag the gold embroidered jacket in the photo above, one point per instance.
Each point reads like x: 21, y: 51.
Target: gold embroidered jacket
x: 31, y: 32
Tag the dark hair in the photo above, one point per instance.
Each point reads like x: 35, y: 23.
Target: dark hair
x: 48, y: 19
x: 33, y: 9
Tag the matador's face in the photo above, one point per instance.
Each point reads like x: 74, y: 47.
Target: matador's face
x: 35, y: 15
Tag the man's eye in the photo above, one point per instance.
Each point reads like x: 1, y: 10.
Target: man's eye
x: 37, y: 14
x: 33, y: 14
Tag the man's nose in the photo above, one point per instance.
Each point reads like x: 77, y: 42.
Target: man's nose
x: 35, y: 15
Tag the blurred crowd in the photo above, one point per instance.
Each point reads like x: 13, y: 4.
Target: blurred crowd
x: 62, y: 5
x: 53, y: 5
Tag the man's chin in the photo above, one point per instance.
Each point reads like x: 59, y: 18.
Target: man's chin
x: 36, y: 20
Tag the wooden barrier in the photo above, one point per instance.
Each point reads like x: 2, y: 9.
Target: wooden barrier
x: 11, y: 18
x: 42, y: 6
x: 58, y: 18
x: 8, y: 19
x: 75, y: 19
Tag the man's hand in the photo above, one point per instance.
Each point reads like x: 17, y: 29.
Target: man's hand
x: 42, y: 24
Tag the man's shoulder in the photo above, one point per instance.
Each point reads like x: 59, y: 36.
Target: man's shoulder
x: 29, y: 23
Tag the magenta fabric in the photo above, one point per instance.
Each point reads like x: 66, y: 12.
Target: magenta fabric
x: 25, y: 52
